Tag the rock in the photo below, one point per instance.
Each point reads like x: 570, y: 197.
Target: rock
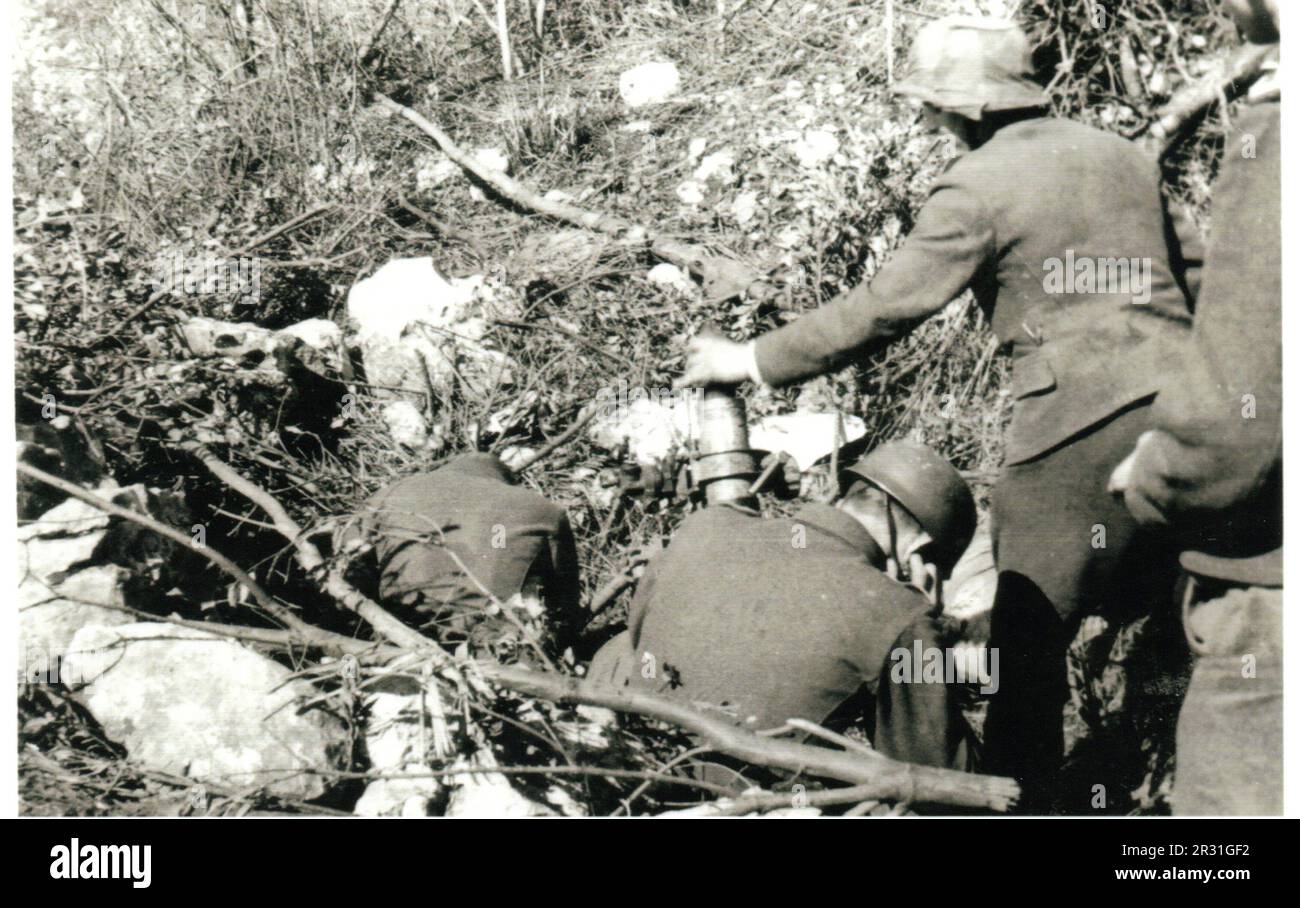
x: 815, y: 148
x: 489, y: 795
x: 515, y: 456
x: 317, y: 343
x: 718, y: 166
x: 249, y: 345
x: 650, y: 427
x: 74, y: 567
x: 397, y: 735
x: 554, y: 255
x: 406, y: 424
x: 434, y: 169
x: 191, y: 703
x: 670, y: 277
x: 415, y: 327
x: 317, y: 333
x: 690, y: 193
x: 49, y: 616
x: 807, y: 437
x: 649, y: 83
x: 744, y: 208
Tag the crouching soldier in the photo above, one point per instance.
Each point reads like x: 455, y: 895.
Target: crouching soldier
x: 766, y: 620
x: 451, y: 541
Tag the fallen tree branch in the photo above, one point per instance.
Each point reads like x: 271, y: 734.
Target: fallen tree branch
x: 314, y: 562
x: 263, y: 598
x: 554, y: 444
x: 1239, y: 70
x: 723, y: 277
x: 880, y: 777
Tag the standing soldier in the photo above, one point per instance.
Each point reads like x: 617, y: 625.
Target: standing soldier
x: 1061, y: 233
x: 1212, y: 469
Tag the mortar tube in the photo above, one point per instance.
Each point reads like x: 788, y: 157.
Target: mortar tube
x: 724, y: 465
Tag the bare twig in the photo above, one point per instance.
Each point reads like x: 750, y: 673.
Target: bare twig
x: 1239, y: 71
x: 366, y: 54
x: 546, y: 450
x: 273, y: 608
x: 724, y: 277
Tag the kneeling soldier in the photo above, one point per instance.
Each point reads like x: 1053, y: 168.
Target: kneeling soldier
x: 771, y: 619
x: 451, y: 540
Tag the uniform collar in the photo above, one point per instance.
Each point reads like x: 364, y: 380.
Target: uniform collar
x: 836, y: 523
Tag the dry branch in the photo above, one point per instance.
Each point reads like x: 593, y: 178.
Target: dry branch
x: 877, y: 776
x: 289, y: 619
x: 723, y: 277
x: 1238, y: 72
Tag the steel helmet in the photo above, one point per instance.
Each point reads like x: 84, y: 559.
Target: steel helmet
x: 930, y: 488
x: 971, y: 65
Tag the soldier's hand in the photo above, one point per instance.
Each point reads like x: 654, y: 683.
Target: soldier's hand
x: 715, y: 360
x: 1120, y: 479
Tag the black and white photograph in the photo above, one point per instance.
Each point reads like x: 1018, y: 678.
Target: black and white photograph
x: 513, y: 409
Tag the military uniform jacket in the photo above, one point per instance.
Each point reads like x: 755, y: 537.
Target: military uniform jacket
x: 1213, y: 466
x: 762, y: 620
x: 1035, y: 221
x: 471, y: 509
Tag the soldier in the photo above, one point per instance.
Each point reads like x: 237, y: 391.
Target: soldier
x: 451, y: 540
x: 766, y: 620
x: 1061, y: 233
x: 1211, y: 468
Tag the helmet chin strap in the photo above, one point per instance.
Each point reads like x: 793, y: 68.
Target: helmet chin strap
x: 921, y: 540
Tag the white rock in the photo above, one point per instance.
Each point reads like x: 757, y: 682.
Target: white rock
x: 254, y: 346
x: 322, y: 347
x: 807, y: 437
x: 649, y: 83
x: 51, y: 613
x: 744, y: 207
x: 670, y: 277
x: 690, y: 193
x: 406, y: 423
x: 651, y: 427
x: 696, y: 148
x: 815, y: 148
x: 515, y: 456
x: 317, y: 333
x: 433, y: 169
x: 493, y: 158
x: 489, y: 795
x: 718, y: 166
x: 191, y: 703
x: 71, y: 518
x: 412, y: 323
x: 397, y: 734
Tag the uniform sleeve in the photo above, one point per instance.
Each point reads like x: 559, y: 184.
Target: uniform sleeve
x: 952, y: 239
x: 1217, y: 436
x: 919, y: 722
x: 563, y: 586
